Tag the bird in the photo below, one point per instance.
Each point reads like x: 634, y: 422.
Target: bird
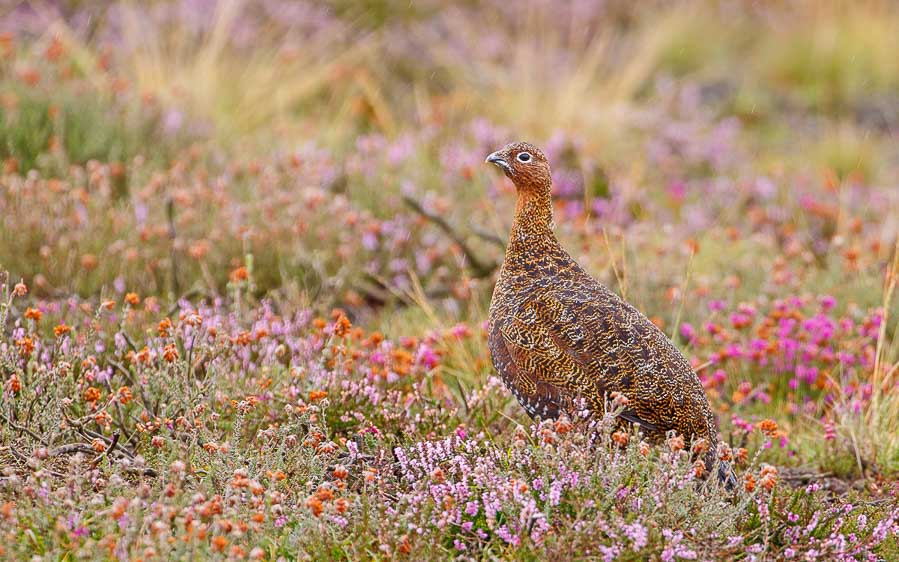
x: 559, y: 338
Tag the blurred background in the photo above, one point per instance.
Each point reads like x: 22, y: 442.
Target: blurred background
x: 161, y: 143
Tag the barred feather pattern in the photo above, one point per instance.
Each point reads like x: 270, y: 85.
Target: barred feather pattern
x: 557, y: 336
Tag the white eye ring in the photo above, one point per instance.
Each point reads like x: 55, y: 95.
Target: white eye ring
x: 524, y: 157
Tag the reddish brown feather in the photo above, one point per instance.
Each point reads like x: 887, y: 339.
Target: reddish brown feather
x: 556, y: 334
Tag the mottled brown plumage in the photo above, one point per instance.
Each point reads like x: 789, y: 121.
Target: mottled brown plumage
x: 557, y: 335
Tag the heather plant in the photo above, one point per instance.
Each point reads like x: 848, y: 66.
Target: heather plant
x: 247, y: 250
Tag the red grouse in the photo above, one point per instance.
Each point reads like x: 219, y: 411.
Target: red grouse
x: 558, y: 336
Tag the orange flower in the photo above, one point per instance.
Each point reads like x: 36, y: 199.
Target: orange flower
x: 768, y: 427
x: 402, y: 361
x: 163, y: 327
x: 193, y: 319
x: 644, y: 448
x: 61, y: 330
x: 55, y: 50
x: 342, y: 326
x: 89, y: 262
x: 340, y: 472
x: 219, y: 543
x: 239, y: 274
x: 170, y: 353
x: 317, y: 395
x: 132, y: 299
x: 103, y: 418
x: 621, y: 438
x: 98, y: 445
x: 243, y: 338
x: 769, y: 477
x: 618, y: 399
x: 92, y: 394
x: 108, y: 305
x: 405, y: 546
x: 700, y: 446
x: 724, y: 452
x: 315, y: 506
x: 199, y: 249
x: 7, y: 45
x: 20, y: 290
x: 125, y: 395
x: 33, y: 314
x: 14, y: 384
x: 325, y: 494
x: 676, y: 443
x: 26, y: 346
x: 749, y: 483
x: 10, y: 165
x: 562, y: 426
x: 144, y: 355
x: 256, y: 488
x: 698, y: 468
x: 742, y: 455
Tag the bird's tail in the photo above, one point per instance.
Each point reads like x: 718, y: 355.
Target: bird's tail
x: 727, y: 476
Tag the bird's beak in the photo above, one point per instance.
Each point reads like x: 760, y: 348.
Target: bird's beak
x: 497, y: 158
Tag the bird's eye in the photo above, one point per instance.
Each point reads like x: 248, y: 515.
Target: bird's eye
x: 524, y: 156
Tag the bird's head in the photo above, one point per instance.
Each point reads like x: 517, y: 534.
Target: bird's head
x: 524, y: 164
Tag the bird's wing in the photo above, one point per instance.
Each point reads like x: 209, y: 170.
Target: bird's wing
x: 592, y: 347
x: 578, y: 348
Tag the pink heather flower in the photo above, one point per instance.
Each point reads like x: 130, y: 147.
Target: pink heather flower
x: 688, y: 332
x: 845, y: 358
x: 505, y: 534
x: 739, y: 320
x: 830, y: 432
x: 637, y: 534
x: 716, y: 305
x: 370, y: 240
x: 555, y: 493
x: 460, y: 331
x: 677, y: 190
x: 746, y: 309
x: 719, y: 376
x: 609, y: 553
x: 827, y: 302
x: 427, y: 357
x: 847, y: 325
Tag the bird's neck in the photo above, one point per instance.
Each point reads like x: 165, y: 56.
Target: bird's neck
x: 533, y: 219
